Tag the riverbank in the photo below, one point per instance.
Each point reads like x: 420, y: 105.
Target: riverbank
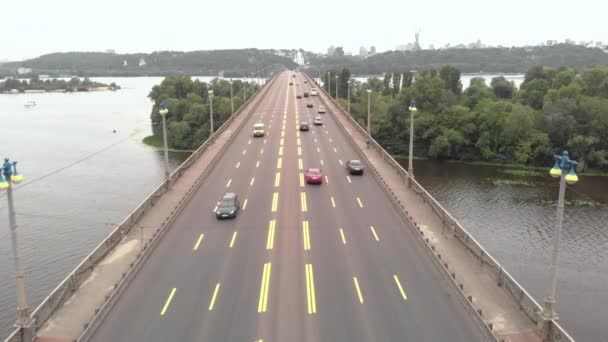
x: 156, y: 142
x: 74, y: 90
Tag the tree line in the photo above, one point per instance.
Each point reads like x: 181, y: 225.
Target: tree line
x: 554, y: 109
x: 187, y: 100
x: 35, y: 83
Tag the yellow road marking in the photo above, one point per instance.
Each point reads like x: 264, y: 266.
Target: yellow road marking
x: 310, y: 289
x: 374, y: 232
x: 217, y: 289
x: 167, y: 302
x: 340, y: 160
x: 315, y: 138
x: 318, y: 150
x: 303, y: 204
x: 300, y: 165
x: 400, y: 287
x: 358, y: 290
x: 321, y: 162
x: 306, y: 235
x: 299, y: 151
x: 198, y: 242
x: 257, y: 164
x: 326, y: 180
x: 270, y: 238
x: 277, y: 179
x: 275, y: 201
x: 233, y: 238
x: 301, y: 180
x: 279, y: 162
x: 282, y: 141
x: 359, y: 201
x: 229, y: 182
x: 335, y: 150
x: 343, y: 237
x: 264, y: 141
x: 262, y: 151
x: 244, y: 151
x: 330, y: 140
x: 249, y: 142
x: 333, y: 203
x: 262, y: 304
x: 298, y: 141
x: 245, y: 204
x: 348, y: 178
x: 283, y: 132
x: 252, y: 180
x: 281, y: 151
x: 238, y: 164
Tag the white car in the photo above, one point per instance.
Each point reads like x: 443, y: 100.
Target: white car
x: 318, y: 121
x: 313, y: 92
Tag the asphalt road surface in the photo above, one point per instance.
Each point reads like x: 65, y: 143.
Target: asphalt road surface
x: 329, y: 262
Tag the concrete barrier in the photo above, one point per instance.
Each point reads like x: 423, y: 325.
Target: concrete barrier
x: 70, y: 284
x: 526, y: 303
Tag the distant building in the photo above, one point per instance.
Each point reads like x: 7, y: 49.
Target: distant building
x: 23, y: 71
x: 331, y: 50
x: 570, y: 41
x: 125, y: 64
x: 110, y: 51
x: 362, y: 51
x: 372, y: 50
x: 142, y: 62
x: 551, y: 42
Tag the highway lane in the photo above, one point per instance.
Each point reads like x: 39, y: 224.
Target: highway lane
x: 282, y: 271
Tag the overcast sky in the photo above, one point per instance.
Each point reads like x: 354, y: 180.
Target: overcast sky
x: 34, y: 27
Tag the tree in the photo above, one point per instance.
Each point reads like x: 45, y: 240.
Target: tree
x: 533, y: 92
x: 344, y: 80
x: 408, y: 78
x: 387, y: 84
x: 396, y: 83
x: 502, y: 88
x: 476, y: 92
x: 451, y: 76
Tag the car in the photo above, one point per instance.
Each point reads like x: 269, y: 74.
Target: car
x: 299, y: 96
x: 304, y: 126
x: 294, y: 75
x: 305, y: 94
x: 321, y: 110
x: 318, y: 121
x: 305, y: 81
x: 258, y: 130
x: 313, y: 92
x: 354, y: 167
x: 290, y: 83
x: 309, y: 105
x: 228, y: 207
x: 313, y: 176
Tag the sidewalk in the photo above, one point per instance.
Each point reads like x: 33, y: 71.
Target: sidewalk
x: 508, y: 321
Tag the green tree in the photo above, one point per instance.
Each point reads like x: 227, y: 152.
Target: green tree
x: 396, y: 83
x: 502, y: 88
x: 386, y: 90
x: 408, y: 78
x: 451, y: 76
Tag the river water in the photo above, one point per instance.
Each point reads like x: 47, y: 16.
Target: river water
x: 64, y: 215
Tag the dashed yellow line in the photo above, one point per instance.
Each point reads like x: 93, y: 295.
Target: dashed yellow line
x: 252, y: 180
x: 245, y: 204
x: 277, y: 180
x: 301, y: 180
x: 262, y: 150
x: 306, y: 235
x: 298, y: 141
x: 168, y: 301
x: 348, y: 178
x: 318, y: 150
x: 283, y: 132
x: 321, y: 162
x: 330, y: 140
x: 262, y: 303
x: 359, y: 201
x: 281, y: 151
x: 279, y: 162
x: 249, y: 142
x: 215, y: 292
x: 216, y: 206
x: 303, y: 204
x: 275, y: 201
x: 281, y: 142
x: 335, y: 150
x: 403, y: 295
x: 333, y: 203
x: 340, y: 160
x: 270, y: 239
x: 257, y: 164
x: 229, y: 182
x: 326, y: 180
x: 374, y: 233
x: 310, y: 289
x: 342, y: 236
x: 198, y: 242
x: 244, y: 152
x: 300, y: 164
x: 358, y: 290
x: 233, y: 239
x: 299, y: 151
x: 238, y: 164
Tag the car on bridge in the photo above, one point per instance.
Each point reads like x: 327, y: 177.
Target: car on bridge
x: 290, y: 83
x: 309, y: 105
x: 305, y: 94
x: 313, y: 92
x: 299, y: 96
x: 229, y: 206
x: 318, y: 121
x: 322, y: 110
x: 354, y: 167
x: 304, y: 126
x: 258, y: 130
x: 313, y: 176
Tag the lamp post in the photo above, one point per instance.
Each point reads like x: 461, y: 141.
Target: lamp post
x: 410, y: 170
x: 244, y: 89
x: 231, y: 98
x: 328, y: 84
x: 348, y: 110
x: 336, y: 87
x: 210, y: 112
x: 163, y: 112
x: 9, y: 176
x: 369, y: 115
x: 563, y: 169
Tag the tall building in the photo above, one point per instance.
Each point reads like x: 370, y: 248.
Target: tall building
x: 416, y: 46
x: 362, y: 51
x: 372, y: 49
x: 551, y: 42
x: 331, y: 50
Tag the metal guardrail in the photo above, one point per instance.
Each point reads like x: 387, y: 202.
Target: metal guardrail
x: 504, y: 279
x: 71, y: 283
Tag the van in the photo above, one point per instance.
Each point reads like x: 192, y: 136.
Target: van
x: 313, y: 92
x: 258, y: 130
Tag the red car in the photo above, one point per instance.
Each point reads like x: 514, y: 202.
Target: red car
x: 309, y: 105
x: 313, y: 176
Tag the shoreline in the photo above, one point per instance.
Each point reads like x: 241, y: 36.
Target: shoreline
x: 155, y: 142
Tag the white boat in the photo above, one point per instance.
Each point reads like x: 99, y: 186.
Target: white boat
x: 30, y: 103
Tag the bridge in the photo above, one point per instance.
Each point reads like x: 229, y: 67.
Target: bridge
x: 357, y: 258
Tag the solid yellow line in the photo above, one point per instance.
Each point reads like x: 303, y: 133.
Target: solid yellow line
x: 343, y: 237
x: 233, y: 238
x: 359, y: 201
x: 400, y: 287
x: 301, y: 180
x: 275, y: 201
x: 270, y: 239
x: 333, y: 203
x: 281, y: 151
x: 277, y: 179
x: 229, y: 182
x: 162, y: 313
x: 238, y: 164
x: 358, y: 290
x: 305, y: 235
x: 217, y: 289
x: 340, y: 160
x: 374, y: 232
x: 348, y: 178
x: 198, y: 242
x: 279, y: 162
x: 300, y: 165
x: 245, y: 204
x: 303, y: 200
x: 299, y: 151
x: 257, y: 164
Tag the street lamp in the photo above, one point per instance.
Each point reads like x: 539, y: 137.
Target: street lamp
x: 210, y: 112
x: 231, y: 98
x: 336, y: 87
x: 369, y: 132
x: 9, y: 176
x: 328, y: 83
x: 348, y: 110
x: 564, y: 169
x: 244, y: 89
x: 410, y: 170
x: 163, y: 112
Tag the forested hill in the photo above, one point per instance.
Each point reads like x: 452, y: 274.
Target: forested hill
x: 231, y: 62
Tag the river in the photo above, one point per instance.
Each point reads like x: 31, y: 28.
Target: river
x: 62, y: 216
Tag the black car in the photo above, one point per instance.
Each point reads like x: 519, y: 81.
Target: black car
x: 304, y: 126
x: 309, y: 105
x: 305, y: 94
x: 299, y: 96
x: 229, y: 206
x: 305, y: 81
x: 354, y: 167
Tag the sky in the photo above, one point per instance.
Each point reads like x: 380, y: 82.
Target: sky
x: 31, y: 28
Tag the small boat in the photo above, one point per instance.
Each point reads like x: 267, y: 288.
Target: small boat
x: 30, y: 103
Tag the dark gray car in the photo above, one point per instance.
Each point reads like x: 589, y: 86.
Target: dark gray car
x: 228, y: 207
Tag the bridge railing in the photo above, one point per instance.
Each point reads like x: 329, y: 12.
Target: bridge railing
x: 503, y: 278
x: 71, y: 283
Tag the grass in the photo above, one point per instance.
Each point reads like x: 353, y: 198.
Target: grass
x: 157, y: 143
